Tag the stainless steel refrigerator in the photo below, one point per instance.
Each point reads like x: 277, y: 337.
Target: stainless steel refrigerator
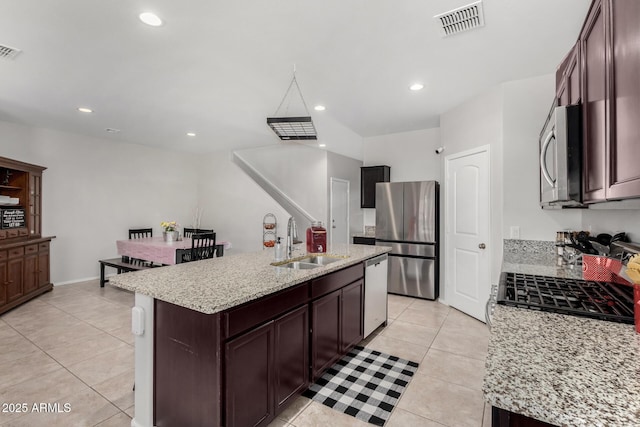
x: 407, y: 221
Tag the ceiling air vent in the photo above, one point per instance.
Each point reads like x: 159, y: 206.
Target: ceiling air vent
x: 8, y: 52
x: 461, y: 19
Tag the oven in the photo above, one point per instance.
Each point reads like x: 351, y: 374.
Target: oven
x: 596, y: 300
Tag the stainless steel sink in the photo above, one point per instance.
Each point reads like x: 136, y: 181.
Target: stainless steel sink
x: 298, y: 265
x: 320, y: 259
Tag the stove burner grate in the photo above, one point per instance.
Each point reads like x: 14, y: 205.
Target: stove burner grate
x: 598, y: 300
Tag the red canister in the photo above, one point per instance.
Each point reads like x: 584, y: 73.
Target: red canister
x: 636, y: 305
x: 316, y: 238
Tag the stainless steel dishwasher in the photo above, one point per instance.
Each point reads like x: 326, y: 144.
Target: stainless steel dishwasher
x: 375, y: 293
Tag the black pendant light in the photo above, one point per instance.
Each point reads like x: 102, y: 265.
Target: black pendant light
x: 293, y: 128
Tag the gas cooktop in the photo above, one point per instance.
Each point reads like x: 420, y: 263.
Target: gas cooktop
x: 598, y: 300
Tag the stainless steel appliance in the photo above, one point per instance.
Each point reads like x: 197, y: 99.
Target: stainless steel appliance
x: 407, y: 220
x: 375, y: 294
x: 597, y: 300
x: 561, y: 158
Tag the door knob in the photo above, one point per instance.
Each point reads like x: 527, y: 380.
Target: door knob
x: 482, y: 246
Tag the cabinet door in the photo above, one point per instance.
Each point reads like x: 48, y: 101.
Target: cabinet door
x: 593, y: 45
x: 291, y: 356
x: 30, y: 273
x: 249, y: 378
x: 15, y: 278
x: 35, y: 204
x: 325, y: 332
x: 352, y: 321
x: 573, y: 77
x: 43, y: 269
x: 624, y: 145
x: 3, y: 283
x: 369, y: 176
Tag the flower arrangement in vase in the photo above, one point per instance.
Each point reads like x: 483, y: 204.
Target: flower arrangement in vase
x: 169, y: 231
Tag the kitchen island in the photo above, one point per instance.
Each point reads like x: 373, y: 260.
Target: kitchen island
x: 232, y: 341
x: 559, y: 369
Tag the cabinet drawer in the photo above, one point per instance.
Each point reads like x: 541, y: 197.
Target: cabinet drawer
x: 23, y: 232
x: 336, y: 280
x: 43, y: 247
x: 254, y: 313
x: 12, y: 233
x: 31, y: 249
x: 3, y: 255
x: 3, y: 234
x: 16, y: 252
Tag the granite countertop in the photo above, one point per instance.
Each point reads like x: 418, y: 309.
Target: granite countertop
x: 214, y: 285
x: 563, y: 370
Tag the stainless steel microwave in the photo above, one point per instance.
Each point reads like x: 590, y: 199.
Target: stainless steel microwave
x: 560, y: 154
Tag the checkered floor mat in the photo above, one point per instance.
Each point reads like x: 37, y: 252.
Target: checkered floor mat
x: 365, y: 384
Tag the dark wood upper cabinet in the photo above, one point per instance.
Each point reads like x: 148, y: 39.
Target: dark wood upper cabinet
x: 609, y: 63
x: 623, y: 178
x: 568, y: 78
x: 369, y: 176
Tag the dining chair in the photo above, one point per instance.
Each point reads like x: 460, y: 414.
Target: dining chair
x: 203, y: 246
x: 139, y: 233
x: 188, y: 232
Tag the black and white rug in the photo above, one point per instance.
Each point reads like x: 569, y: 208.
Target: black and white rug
x: 365, y: 384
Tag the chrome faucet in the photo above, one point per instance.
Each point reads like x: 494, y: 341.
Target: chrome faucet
x: 292, y: 236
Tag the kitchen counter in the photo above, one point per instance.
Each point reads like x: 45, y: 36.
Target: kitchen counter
x: 563, y: 370
x: 214, y: 285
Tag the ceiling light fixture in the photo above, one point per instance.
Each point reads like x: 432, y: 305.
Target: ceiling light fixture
x: 319, y: 108
x: 112, y: 130
x: 150, y: 19
x: 191, y: 134
x: 416, y: 87
x: 322, y: 145
x: 85, y: 110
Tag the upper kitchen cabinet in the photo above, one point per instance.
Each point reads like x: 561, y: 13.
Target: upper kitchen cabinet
x: 568, y: 78
x: 369, y: 176
x: 610, y: 61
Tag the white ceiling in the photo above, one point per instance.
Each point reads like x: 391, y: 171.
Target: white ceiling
x: 219, y: 68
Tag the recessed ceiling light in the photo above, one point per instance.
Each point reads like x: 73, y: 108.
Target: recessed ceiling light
x: 416, y: 86
x: 191, y: 134
x: 319, y: 108
x: 85, y: 110
x: 150, y: 19
x: 322, y: 145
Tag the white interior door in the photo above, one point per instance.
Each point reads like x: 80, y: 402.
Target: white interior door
x: 467, y: 230
x: 339, y: 212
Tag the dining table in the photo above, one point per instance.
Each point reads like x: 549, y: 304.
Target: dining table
x: 157, y: 250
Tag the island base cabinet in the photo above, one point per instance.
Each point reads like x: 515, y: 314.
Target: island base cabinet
x: 352, y: 326
x: 187, y: 364
x: 504, y: 418
x: 266, y: 368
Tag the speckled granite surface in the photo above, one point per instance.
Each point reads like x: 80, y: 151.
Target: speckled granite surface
x: 563, y: 370
x: 210, y: 286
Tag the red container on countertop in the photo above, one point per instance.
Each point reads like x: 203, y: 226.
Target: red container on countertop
x: 316, y: 238
x: 636, y: 306
x: 602, y: 269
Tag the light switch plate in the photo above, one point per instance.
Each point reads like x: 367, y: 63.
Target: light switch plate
x: 515, y: 232
x: 137, y: 320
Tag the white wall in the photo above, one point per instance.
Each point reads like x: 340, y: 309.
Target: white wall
x: 94, y: 190
x: 526, y: 104
x: 343, y: 167
x: 233, y: 204
x: 411, y: 156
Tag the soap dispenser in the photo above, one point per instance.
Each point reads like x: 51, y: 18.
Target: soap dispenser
x: 279, y: 250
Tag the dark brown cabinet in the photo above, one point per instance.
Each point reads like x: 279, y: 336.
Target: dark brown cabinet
x: 359, y: 240
x: 504, y: 418
x: 610, y: 91
x: 352, y: 319
x: 369, y: 176
x: 326, y: 345
x: 568, y: 78
x: 24, y: 254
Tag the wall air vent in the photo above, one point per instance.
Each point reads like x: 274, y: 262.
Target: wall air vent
x: 7, y: 52
x: 461, y: 19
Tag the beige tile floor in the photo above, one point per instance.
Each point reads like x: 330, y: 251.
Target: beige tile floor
x: 73, y: 346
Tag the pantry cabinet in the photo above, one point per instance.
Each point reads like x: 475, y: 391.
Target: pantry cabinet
x: 24, y: 253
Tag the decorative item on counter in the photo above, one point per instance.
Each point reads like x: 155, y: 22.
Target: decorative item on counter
x: 601, y: 269
x: 316, y: 238
x: 169, y: 231
x: 269, y: 230
x: 633, y: 272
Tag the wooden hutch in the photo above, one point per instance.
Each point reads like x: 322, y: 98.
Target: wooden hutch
x: 24, y: 253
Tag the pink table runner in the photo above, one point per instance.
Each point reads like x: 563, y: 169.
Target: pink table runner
x: 156, y: 249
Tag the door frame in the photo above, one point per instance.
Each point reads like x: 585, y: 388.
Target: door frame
x: 329, y: 225
x: 447, y: 239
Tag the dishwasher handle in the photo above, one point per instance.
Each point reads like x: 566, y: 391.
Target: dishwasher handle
x: 376, y: 260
